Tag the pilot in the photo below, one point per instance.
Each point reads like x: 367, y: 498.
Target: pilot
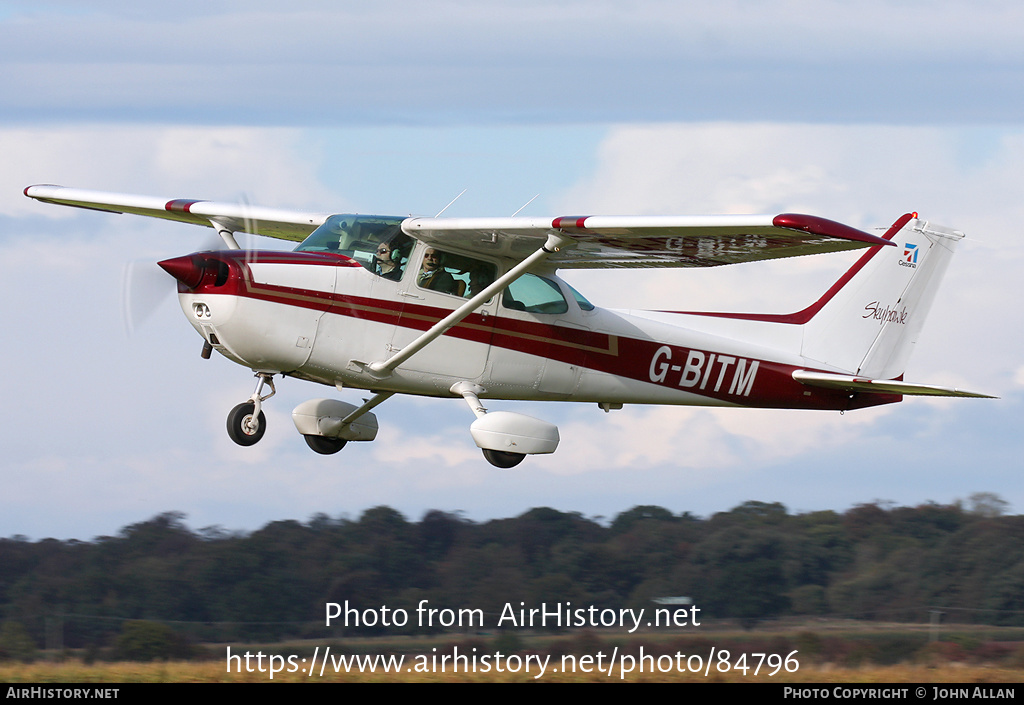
x: 433, y: 276
x: 386, y: 266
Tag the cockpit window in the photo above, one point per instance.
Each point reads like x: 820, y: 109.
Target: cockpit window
x: 375, y: 241
x: 534, y: 294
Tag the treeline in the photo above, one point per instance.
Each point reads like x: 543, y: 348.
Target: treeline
x: 754, y: 562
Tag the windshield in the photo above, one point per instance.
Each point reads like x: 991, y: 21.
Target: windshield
x: 360, y: 237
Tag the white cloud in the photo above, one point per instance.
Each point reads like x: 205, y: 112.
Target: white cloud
x: 698, y: 439
x: 432, y: 451
x: 410, y: 62
x: 856, y: 173
x: 269, y: 166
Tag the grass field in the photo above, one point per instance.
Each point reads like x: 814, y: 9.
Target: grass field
x: 832, y: 653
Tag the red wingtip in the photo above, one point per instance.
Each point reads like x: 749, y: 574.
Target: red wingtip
x: 829, y: 228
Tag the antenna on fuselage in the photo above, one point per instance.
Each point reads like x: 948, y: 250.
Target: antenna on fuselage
x: 524, y: 206
x: 450, y: 202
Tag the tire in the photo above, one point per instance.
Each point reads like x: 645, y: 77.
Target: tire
x: 236, y: 420
x: 503, y: 459
x: 324, y: 445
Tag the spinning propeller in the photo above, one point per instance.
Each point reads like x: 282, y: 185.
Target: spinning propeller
x: 145, y: 288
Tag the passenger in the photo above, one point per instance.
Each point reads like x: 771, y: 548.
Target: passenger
x: 433, y: 275
x: 479, y: 279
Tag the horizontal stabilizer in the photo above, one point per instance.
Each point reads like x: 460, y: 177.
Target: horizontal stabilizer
x: 854, y: 383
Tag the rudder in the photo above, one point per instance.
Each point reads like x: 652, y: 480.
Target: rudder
x: 869, y: 321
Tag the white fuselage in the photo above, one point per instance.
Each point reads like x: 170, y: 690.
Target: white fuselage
x: 325, y: 319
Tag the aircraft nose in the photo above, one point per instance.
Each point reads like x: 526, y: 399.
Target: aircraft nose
x: 188, y: 270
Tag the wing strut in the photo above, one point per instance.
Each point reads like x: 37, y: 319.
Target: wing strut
x: 226, y: 234
x: 383, y: 368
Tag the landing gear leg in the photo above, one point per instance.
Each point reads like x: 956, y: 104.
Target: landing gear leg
x: 505, y: 429
x: 246, y: 422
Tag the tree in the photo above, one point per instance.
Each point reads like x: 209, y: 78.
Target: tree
x: 148, y: 641
x: 15, y: 643
x: 988, y: 505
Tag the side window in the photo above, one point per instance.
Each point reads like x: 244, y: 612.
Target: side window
x: 453, y: 274
x: 534, y: 294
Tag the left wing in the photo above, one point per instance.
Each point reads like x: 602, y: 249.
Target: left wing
x: 647, y: 241
x: 236, y: 217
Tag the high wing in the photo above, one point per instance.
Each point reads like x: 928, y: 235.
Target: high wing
x: 647, y: 241
x: 235, y: 217
x: 596, y: 241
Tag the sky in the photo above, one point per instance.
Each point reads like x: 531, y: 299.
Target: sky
x: 858, y: 113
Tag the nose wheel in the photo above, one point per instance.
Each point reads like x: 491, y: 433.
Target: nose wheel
x: 245, y: 426
x: 246, y: 422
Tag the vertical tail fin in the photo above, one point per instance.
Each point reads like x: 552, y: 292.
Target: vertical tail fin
x: 868, y: 322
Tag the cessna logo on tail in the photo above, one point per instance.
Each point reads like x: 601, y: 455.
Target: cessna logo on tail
x: 909, y: 256
x: 700, y: 371
x: 885, y: 314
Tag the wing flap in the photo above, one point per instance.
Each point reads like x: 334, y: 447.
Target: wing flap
x: 238, y: 217
x: 647, y: 241
x: 852, y: 383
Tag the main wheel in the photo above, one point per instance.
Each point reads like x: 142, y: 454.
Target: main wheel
x: 502, y: 459
x: 324, y: 445
x: 238, y: 428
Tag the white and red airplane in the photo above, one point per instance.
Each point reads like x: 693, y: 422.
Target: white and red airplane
x: 473, y: 307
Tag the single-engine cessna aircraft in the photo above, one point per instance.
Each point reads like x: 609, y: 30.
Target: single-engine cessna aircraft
x: 473, y: 307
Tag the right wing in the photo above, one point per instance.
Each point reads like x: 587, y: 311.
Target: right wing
x: 603, y: 241
x: 236, y: 217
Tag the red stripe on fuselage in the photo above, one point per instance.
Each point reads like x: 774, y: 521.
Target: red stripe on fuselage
x: 771, y: 386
